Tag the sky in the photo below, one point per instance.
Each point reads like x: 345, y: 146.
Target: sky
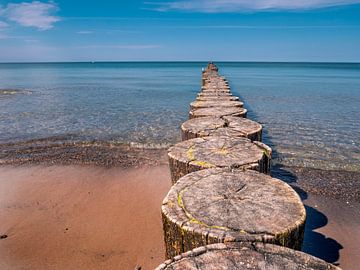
x: 180, y: 30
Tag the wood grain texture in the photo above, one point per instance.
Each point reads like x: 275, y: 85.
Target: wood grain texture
x: 245, y: 256
x: 218, y: 112
x: 218, y: 103
x: 219, y: 98
x: 225, y: 126
x: 231, y: 205
x: 213, y: 151
x: 214, y: 93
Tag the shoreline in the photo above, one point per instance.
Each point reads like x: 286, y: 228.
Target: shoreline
x: 343, y: 185
x: 67, y: 152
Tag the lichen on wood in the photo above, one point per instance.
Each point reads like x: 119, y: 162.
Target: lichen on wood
x: 217, y: 151
x: 244, y: 256
x: 231, y: 205
x: 218, y: 112
x: 221, y: 126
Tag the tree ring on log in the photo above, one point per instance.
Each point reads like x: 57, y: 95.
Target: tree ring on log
x: 230, y: 126
x: 244, y: 256
x: 215, y: 89
x: 206, y: 104
x: 214, y: 151
x: 230, y: 205
x: 219, y: 98
x: 212, y: 93
x: 218, y: 112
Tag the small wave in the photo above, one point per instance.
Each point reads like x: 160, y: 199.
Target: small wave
x: 9, y: 92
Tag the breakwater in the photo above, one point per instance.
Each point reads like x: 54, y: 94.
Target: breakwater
x: 222, y: 193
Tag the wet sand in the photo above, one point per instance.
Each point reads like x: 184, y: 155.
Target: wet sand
x: 332, y: 230
x: 91, y: 217
x: 81, y: 217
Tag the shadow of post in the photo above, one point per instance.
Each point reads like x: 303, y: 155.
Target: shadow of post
x: 314, y: 243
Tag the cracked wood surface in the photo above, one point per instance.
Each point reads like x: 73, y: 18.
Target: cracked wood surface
x: 219, y: 98
x: 215, y: 89
x: 224, y: 205
x: 214, y: 93
x: 225, y: 126
x: 244, y: 256
x: 218, y: 112
x: 213, y: 151
x: 217, y: 103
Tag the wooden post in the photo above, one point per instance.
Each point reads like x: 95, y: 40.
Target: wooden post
x: 216, y: 90
x: 214, y: 93
x: 243, y: 256
x: 218, y: 112
x: 223, y: 205
x: 225, y: 126
x: 219, y: 98
x: 218, y: 103
x: 213, y: 151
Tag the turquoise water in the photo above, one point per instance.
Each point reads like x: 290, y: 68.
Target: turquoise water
x: 310, y: 112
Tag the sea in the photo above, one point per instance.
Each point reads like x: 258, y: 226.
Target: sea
x: 310, y: 111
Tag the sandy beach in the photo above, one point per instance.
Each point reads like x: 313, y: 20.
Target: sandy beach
x: 332, y: 231
x: 92, y: 217
x: 81, y: 217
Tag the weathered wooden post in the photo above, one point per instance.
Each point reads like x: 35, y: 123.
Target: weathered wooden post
x: 213, y: 93
x: 218, y: 112
x: 224, y: 205
x: 218, y: 103
x: 215, y: 98
x: 216, y: 91
x: 213, y: 151
x: 225, y: 126
x: 244, y: 256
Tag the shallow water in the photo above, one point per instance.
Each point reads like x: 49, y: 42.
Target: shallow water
x: 310, y: 112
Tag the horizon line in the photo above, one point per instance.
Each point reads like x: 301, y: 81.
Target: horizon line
x: 178, y: 61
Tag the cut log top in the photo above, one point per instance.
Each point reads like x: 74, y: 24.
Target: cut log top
x: 218, y: 112
x: 218, y: 103
x: 219, y: 98
x: 235, y: 203
x: 209, y: 90
x: 215, y: 78
x: 245, y: 256
x: 223, y: 205
x: 214, y: 93
x: 225, y: 126
x: 216, y: 151
x: 218, y: 91
x: 216, y: 84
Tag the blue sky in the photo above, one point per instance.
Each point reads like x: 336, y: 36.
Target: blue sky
x: 196, y: 30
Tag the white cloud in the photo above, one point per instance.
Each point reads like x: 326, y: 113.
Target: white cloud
x: 213, y: 6
x: 32, y: 14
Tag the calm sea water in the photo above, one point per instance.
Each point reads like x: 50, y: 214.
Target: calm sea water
x: 310, y: 112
